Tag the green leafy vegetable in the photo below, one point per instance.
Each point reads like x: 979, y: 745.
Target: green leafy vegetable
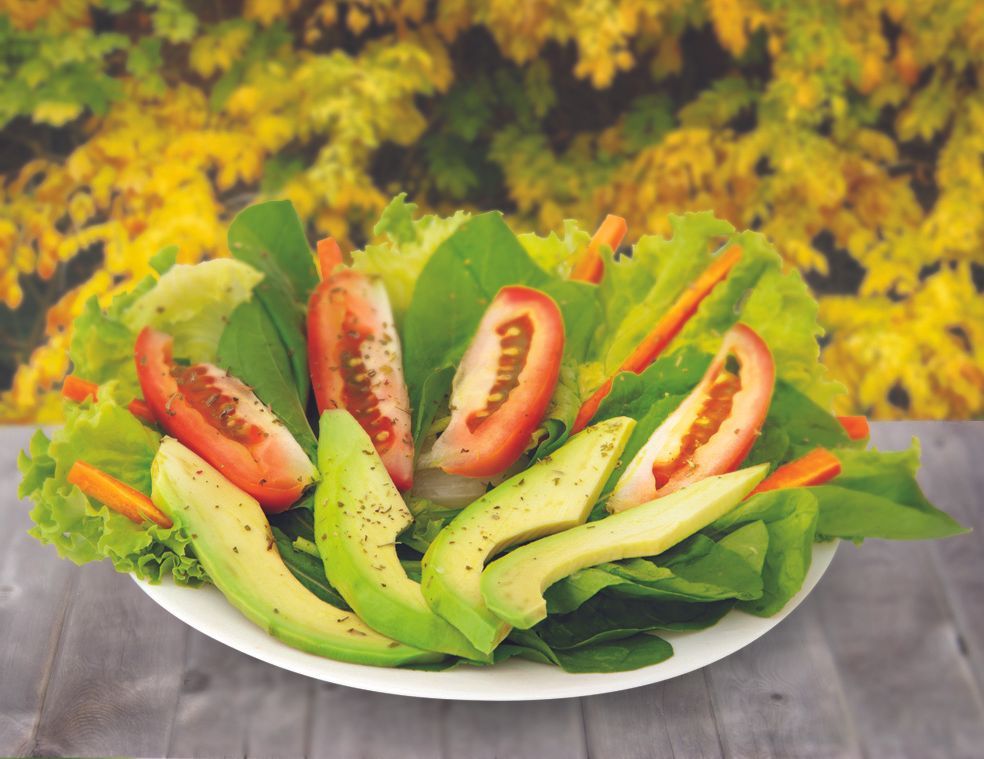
x: 555, y: 253
x: 877, y: 496
x: 270, y: 237
x: 790, y: 516
x: 109, y: 438
x: 405, y: 247
x: 309, y: 571
x: 102, y: 344
x: 251, y: 349
x: 428, y: 520
x: 620, y: 656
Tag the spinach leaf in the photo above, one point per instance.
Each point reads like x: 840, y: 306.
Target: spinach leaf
x: 270, y: 237
x: 876, y: 496
x: 605, y: 618
x: 251, y: 349
x: 790, y: 516
x: 619, y: 656
x: 428, y: 520
x: 699, y: 569
x: 309, y: 571
x: 794, y: 426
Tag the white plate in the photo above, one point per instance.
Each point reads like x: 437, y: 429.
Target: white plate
x: 207, y: 611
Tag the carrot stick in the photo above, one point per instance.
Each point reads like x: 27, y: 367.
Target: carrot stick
x: 815, y: 468
x: 856, y: 427
x: 77, y: 389
x: 590, y: 267
x: 116, y: 495
x: 329, y: 256
x: 665, y: 330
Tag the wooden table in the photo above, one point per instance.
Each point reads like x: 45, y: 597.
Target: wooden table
x: 885, y: 659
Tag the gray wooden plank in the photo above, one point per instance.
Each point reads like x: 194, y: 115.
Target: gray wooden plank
x: 960, y: 562
x: 514, y: 730
x: 233, y: 705
x: 671, y: 719
x: 34, y: 594
x: 116, y: 678
x: 352, y: 723
x: 895, y: 639
x: 782, y: 696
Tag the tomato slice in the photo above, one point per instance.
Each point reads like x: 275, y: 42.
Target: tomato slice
x: 712, y: 431
x: 223, y: 421
x: 503, y: 384
x: 356, y: 364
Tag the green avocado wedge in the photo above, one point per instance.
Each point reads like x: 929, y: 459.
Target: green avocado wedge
x: 233, y: 541
x: 513, y: 586
x: 554, y: 494
x: 358, y: 514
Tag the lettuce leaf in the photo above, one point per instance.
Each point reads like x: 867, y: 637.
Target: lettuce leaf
x: 110, y: 438
x: 404, y: 248
x: 102, y: 344
x: 637, y: 289
x: 876, y: 496
x: 193, y: 305
x: 555, y: 253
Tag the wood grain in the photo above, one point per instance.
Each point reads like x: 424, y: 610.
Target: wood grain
x: 885, y: 659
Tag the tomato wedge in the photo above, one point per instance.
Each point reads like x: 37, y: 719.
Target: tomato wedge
x: 711, y: 431
x: 221, y: 420
x: 356, y: 363
x: 503, y: 384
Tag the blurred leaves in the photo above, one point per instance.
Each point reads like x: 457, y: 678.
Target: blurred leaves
x: 852, y: 134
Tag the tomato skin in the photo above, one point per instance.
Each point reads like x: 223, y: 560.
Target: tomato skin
x: 241, y: 437
x: 717, y: 450
x: 503, y: 384
x: 356, y: 363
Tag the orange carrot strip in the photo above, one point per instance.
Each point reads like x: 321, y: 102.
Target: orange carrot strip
x: 116, y: 495
x: 665, y: 330
x: 856, y: 427
x: 77, y: 389
x: 815, y: 468
x: 590, y: 267
x: 329, y: 256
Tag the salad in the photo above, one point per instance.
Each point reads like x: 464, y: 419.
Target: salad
x: 462, y: 444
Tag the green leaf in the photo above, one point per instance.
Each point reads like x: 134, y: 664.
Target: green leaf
x: 877, y: 496
x: 403, y: 247
x: 193, y: 305
x: 631, y: 652
x: 251, y: 350
x: 790, y: 516
x: 794, y: 426
x: 164, y: 259
x: 111, y: 439
x: 309, y: 571
x: 270, y: 238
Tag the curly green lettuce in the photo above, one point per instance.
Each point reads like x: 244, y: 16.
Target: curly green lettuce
x: 110, y: 438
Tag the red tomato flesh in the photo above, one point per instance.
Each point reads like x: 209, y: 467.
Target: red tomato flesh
x: 223, y: 421
x: 711, y: 432
x: 356, y: 364
x: 503, y: 385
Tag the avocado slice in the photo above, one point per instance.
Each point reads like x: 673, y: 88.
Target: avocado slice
x: 513, y: 586
x: 358, y: 514
x: 556, y: 493
x: 233, y: 541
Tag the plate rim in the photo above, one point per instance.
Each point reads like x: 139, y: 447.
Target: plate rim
x: 450, y: 684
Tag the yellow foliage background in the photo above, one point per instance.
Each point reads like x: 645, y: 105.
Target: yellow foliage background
x: 850, y: 132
